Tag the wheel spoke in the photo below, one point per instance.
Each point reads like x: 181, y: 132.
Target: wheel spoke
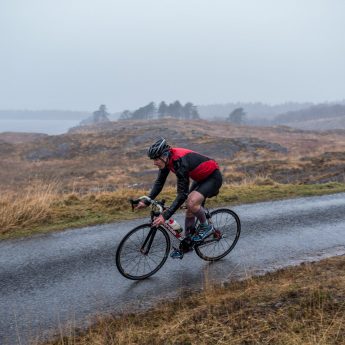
x: 130, y: 267
x: 227, y: 223
x: 134, y: 264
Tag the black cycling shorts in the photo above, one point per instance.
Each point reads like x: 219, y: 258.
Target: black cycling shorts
x: 210, y: 186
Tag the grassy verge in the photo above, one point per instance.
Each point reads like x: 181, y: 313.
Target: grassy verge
x: 303, y: 305
x: 41, y: 210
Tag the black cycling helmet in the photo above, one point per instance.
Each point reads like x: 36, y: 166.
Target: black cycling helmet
x: 159, y: 148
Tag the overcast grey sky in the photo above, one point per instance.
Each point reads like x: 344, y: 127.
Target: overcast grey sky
x: 76, y: 54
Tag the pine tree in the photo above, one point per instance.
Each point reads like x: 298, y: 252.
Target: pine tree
x: 190, y: 111
x: 237, y: 116
x: 162, y: 110
x: 126, y: 115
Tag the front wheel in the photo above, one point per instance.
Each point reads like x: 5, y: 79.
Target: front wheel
x: 227, y: 229
x: 142, y: 252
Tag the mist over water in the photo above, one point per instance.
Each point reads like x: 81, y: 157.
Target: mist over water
x: 51, y: 127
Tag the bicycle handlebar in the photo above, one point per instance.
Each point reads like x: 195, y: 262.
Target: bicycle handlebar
x: 158, y: 204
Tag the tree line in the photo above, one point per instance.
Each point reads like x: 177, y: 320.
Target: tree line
x: 176, y: 110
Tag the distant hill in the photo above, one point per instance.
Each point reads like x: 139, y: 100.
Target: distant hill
x: 255, y: 111
x: 318, y: 117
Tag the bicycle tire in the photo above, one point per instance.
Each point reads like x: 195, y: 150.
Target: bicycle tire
x: 227, y: 227
x: 129, y: 256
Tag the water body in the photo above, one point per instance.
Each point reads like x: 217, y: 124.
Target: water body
x: 52, y: 127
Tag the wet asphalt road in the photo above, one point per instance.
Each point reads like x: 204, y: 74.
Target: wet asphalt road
x: 59, y: 280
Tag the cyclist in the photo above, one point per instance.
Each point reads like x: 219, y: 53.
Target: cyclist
x: 186, y: 164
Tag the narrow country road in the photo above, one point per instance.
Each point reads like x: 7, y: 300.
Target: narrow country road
x: 50, y: 282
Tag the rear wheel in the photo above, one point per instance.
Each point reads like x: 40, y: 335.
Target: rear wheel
x: 142, y: 252
x: 227, y: 229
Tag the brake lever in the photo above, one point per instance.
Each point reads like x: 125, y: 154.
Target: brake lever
x: 133, y: 203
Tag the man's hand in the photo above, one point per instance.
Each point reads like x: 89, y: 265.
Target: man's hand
x: 158, y: 221
x: 140, y: 205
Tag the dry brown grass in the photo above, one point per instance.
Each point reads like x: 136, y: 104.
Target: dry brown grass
x: 117, y: 157
x: 295, y: 306
x: 43, y: 208
x: 30, y: 206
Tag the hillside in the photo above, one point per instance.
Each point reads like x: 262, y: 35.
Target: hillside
x: 318, y: 117
x: 114, y: 155
x: 254, y: 110
x: 15, y: 138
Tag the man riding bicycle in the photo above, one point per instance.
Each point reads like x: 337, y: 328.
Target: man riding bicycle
x: 186, y: 164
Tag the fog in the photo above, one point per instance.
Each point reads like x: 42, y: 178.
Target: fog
x: 78, y: 54
x: 51, y: 126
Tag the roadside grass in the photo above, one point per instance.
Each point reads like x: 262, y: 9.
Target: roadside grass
x: 31, y: 206
x: 41, y: 209
x: 302, y: 305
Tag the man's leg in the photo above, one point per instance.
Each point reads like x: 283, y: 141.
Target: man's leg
x: 189, y: 222
x: 190, y: 217
x: 207, y: 188
x: 194, y: 208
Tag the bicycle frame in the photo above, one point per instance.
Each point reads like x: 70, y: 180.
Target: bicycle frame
x: 172, y: 231
x: 145, y: 248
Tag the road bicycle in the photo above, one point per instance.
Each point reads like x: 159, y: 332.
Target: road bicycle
x: 144, y: 250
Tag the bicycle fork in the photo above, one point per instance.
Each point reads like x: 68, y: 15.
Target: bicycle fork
x: 145, y: 248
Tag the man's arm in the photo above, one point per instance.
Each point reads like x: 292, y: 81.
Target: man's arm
x: 159, y: 183
x: 182, y: 188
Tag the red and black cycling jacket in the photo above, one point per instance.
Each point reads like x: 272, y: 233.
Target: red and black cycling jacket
x: 185, y: 164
